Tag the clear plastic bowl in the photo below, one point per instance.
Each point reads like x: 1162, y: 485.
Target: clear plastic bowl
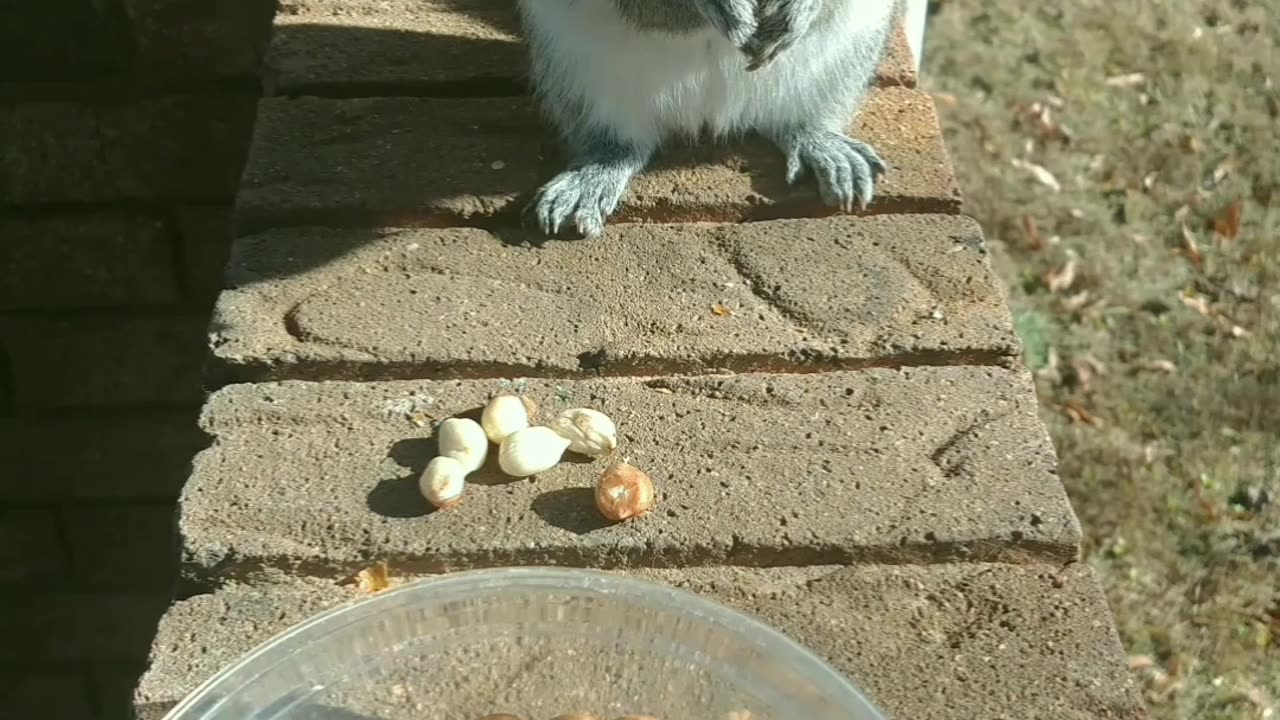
x: 532, y: 642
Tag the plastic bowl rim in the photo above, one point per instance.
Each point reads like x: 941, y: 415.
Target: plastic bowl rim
x: 654, y: 594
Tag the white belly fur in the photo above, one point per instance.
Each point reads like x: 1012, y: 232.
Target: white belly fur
x: 646, y: 86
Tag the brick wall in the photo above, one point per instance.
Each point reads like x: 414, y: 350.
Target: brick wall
x: 123, y: 128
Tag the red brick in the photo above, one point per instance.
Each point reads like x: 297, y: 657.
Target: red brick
x: 97, y: 455
x: 123, y: 546
x: 109, y: 359
x: 100, y: 259
x: 30, y: 546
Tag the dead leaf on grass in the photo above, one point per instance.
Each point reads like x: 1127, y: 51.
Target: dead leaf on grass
x: 1141, y: 662
x: 1040, y: 173
x: 1235, y: 330
x: 1197, y: 303
x: 1225, y: 169
x: 1079, y: 414
x: 1159, y: 365
x: 1126, y: 80
x: 1076, y: 302
x: 1197, y: 490
x: 1087, y: 369
x: 721, y: 310
x: 1062, y: 278
x: 1038, y: 117
x: 1226, y: 227
x: 1191, y: 249
x: 1034, y: 240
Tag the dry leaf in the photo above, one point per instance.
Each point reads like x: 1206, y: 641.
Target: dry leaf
x: 1078, y: 413
x: 1160, y: 365
x: 1191, y: 249
x: 1226, y: 227
x: 1042, y: 175
x: 1088, y: 368
x: 1197, y: 303
x: 1127, y: 80
x: 1034, y: 239
x: 721, y: 310
x: 1076, y: 302
x: 1038, y: 117
x: 946, y: 99
x: 1141, y: 662
x: 1225, y: 169
x: 1062, y: 278
x: 375, y: 578
x: 1197, y: 489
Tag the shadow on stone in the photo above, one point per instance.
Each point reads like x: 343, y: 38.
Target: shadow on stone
x: 398, y: 498
x: 572, y: 509
x: 413, y: 454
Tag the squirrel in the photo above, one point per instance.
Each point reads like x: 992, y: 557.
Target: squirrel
x: 617, y: 78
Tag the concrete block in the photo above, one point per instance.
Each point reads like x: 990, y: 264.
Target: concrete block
x: 42, y: 626
x: 406, y: 47
x: 925, y: 464
x: 183, y: 146
x: 95, y: 360
x: 321, y: 303
x: 200, y: 39
x: 411, y: 161
x: 55, y: 40
x: 206, y: 241
x: 97, y: 455
x: 129, y: 546
x: 31, y: 550
x: 48, y: 693
x: 924, y: 642
x: 90, y: 260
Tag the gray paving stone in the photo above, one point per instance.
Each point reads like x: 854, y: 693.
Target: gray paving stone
x: 403, y: 47
x: 924, y: 642
x: 927, y: 464
x: 318, y: 303
x: 413, y: 161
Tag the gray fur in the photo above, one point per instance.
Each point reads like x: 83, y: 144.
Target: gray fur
x: 602, y: 163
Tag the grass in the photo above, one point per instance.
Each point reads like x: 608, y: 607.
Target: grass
x: 1151, y: 317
